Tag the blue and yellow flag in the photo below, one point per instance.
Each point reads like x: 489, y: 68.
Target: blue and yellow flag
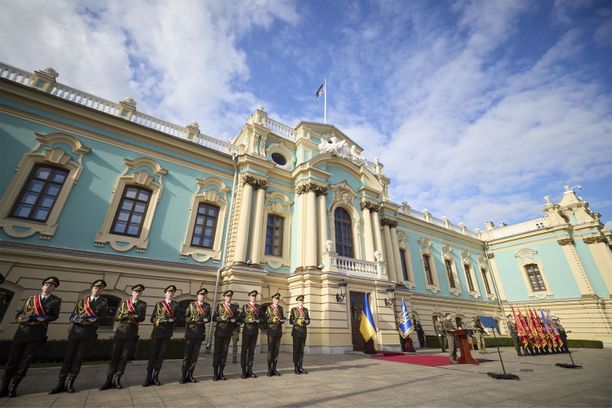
x: 367, y: 328
x: 405, y: 326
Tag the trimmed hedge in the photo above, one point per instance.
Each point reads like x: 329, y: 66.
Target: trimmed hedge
x: 53, y: 351
x: 432, y: 341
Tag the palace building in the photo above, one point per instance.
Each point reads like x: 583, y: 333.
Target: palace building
x: 91, y: 189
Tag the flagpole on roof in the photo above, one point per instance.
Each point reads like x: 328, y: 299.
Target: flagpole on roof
x: 325, y: 100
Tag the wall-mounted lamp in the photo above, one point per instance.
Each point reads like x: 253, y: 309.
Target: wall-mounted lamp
x: 340, y: 296
x: 390, y: 296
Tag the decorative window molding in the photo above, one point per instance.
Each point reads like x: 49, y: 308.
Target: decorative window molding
x: 141, y: 172
x: 58, y: 150
x: 468, y: 269
x: 487, y: 279
x: 343, y: 196
x: 278, y: 204
x: 425, y: 251
x: 405, y: 248
x: 448, y: 255
x: 526, y: 257
x: 283, y: 150
x: 208, y: 191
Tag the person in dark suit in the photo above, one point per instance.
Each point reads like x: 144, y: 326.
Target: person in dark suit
x: 196, y: 317
x: 226, y: 315
x: 130, y: 314
x: 420, y: 333
x: 251, y: 315
x: 82, y: 336
x: 162, y: 318
x: 33, y: 318
x: 275, y: 319
x: 300, y: 319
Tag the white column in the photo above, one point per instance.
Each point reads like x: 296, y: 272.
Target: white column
x: 368, y: 239
x: 257, y: 232
x: 396, y: 257
x: 301, y: 203
x: 311, y: 230
x: 243, y: 223
x: 389, y: 254
x: 322, y: 224
x: 377, y: 235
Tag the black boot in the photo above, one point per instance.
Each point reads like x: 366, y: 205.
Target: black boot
x: 117, y: 381
x: 296, y: 368
x: 216, y: 375
x: 4, y: 388
x: 301, y: 364
x: 221, y: 376
x: 156, y: 377
x: 245, y: 373
x: 61, y: 385
x: 108, y: 383
x: 190, y: 377
x: 149, y: 380
x: 250, y: 372
x: 274, y: 368
x: 183, y: 379
x: 70, y: 383
x: 270, y: 372
x: 12, y: 388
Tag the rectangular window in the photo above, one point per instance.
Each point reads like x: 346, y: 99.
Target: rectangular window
x: 427, y: 266
x: 468, y: 275
x: 449, y: 273
x: 274, y: 235
x: 404, y: 263
x: 131, y: 212
x: 535, y: 278
x: 485, y: 279
x: 39, y: 193
x: 205, y: 226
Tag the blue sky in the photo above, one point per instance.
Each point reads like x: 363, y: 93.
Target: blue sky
x: 478, y: 109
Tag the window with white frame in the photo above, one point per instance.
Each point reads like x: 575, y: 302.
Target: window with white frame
x: 274, y: 235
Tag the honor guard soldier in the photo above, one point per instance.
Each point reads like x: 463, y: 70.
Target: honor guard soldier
x: 130, y: 314
x: 251, y: 316
x: 82, y: 336
x: 299, y: 318
x: 33, y: 318
x: 196, y: 317
x: 226, y: 315
x: 162, y: 318
x: 274, y: 319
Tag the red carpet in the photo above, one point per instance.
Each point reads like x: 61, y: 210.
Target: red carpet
x: 422, y: 359
x: 389, y: 353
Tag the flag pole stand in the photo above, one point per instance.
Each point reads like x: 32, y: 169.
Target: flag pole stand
x: 565, y: 365
x: 505, y: 375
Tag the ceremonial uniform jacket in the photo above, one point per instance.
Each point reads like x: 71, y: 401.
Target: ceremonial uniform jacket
x: 85, y: 326
x: 32, y: 323
x: 163, y: 318
x: 299, y: 322
x: 274, y: 320
x: 195, y: 320
x: 251, y: 316
x: 129, y: 320
x: 225, y: 327
x: 438, y: 328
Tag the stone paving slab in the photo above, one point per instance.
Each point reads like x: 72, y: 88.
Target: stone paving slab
x: 349, y: 380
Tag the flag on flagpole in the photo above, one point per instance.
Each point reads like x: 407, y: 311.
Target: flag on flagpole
x: 405, y: 326
x: 320, y: 91
x: 367, y: 328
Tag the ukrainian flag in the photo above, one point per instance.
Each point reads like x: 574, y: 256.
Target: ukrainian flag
x: 367, y: 328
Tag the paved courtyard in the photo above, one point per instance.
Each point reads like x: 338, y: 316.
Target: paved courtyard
x: 351, y: 380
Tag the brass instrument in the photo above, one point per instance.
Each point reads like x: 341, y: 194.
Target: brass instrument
x: 124, y: 314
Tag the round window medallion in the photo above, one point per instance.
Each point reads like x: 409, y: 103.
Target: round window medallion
x: 279, y: 159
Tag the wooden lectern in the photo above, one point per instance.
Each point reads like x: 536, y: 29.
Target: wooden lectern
x: 464, y: 347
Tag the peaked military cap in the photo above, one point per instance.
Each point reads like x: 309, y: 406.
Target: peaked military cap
x: 170, y: 288
x: 253, y: 293
x: 276, y: 295
x: 53, y: 280
x: 203, y: 291
x: 138, y: 288
x: 301, y: 297
x: 99, y: 282
x: 228, y: 293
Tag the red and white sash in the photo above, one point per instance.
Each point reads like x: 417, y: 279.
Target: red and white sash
x: 87, y: 308
x: 229, y: 310
x: 200, y: 310
x: 301, y: 311
x: 130, y: 306
x: 254, y: 309
x: 38, y: 305
x: 167, y: 308
x: 276, y: 310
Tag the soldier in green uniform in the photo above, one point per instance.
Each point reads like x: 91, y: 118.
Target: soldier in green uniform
x: 163, y: 327
x: 299, y: 318
x: 130, y: 314
x: 439, y: 332
x: 275, y: 319
x: 82, y: 336
x: 251, y: 316
x: 479, y: 333
x: 514, y: 334
x: 448, y: 327
x: 33, y: 318
x: 226, y: 315
x: 196, y: 317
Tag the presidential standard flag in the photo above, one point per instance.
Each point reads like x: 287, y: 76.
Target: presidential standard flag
x: 320, y: 91
x: 405, y: 326
x: 367, y: 328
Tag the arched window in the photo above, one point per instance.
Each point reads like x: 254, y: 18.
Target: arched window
x: 274, y: 235
x: 108, y: 318
x: 404, y: 263
x: 344, y: 233
x: 205, y: 226
x: 535, y: 278
x: 428, y: 272
x: 179, y: 318
x: 5, y: 300
x: 449, y: 272
x: 132, y: 210
x: 485, y: 280
x: 468, y: 275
